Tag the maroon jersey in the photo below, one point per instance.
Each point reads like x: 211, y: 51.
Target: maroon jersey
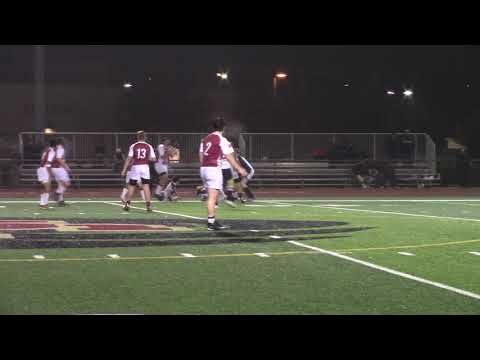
x: 214, y: 147
x: 47, y: 156
x: 141, y: 153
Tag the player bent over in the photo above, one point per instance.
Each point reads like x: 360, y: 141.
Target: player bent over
x: 60, y: 171
x: 212, y: 148
x: 241, y: 183
x: 139, y: 155
x: 44, y: 173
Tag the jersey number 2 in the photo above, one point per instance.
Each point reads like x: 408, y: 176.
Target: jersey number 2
x: 208, y: 145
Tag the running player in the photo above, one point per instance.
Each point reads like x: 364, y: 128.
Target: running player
x: 212, y: 148
x: 60, y: 171
x: 44, y: 173
x: 139, y: 155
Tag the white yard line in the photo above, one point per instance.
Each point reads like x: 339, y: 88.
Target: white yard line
x: 366, y: 200
x: 187, y: 255
x: 262, y: 255
x: 157, y: 211
x: 390, y: 271
x: 406, y: 253
x: 386, y: 212
x: 474, y: 253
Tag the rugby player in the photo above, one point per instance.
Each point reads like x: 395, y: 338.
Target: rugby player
x: 44, y: 173
x: 241, y: 183
x: 140, y: 154
x: 164, y: 152
x: 212, y: 148
x: 60, y: 171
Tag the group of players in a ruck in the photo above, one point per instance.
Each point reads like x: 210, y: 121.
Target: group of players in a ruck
x: 224, y: 172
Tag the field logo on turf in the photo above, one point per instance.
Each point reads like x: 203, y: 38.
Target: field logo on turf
x: 63, y: 226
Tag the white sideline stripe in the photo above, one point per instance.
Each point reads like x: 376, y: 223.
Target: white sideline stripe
x: 2, y: 207
x: 262, y: 254
x: 187, y: 255
x: 157, y: 211
x: 388, y: 212
x: 40, y: 257
x: 114, y: 256
x: 369, y: 200
x: 275, y: 237
x: 254, y: 230
x: 390, y: 271
x: 406, y: 253
x: 474, y: 253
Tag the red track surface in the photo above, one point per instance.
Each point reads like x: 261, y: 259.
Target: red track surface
x: 270, y: 192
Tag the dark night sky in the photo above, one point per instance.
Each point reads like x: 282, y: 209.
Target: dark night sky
x: 183, y: 92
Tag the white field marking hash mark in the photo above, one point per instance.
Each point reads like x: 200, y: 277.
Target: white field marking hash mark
x: 262, y: 255
x: 114, y: 256
x: 157, y: 211
x: 405, y: 253
x: 275, y: 237
x: 390, y: 271
x: 474, y: 253
x: 187, y: 255
x: 40, y: 257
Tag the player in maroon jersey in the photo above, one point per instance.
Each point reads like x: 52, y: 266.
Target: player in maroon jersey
x: 212, y: 148
x: 44, y: 172
x: 139, y: 156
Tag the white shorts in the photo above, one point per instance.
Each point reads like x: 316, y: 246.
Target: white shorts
x: 212, y: 177
x: 127, y: 178
x: 60, y: 174
x: 161, y: 168
x: 139, y: 172
x: 42, y: 175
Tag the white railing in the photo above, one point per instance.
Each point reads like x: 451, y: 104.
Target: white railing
x: 256, y: 146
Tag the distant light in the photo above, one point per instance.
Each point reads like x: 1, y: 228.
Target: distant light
x: 390, y: 92
x: 49, y: 131
x: 281, y: 75
x: 346, y: 84
x: 223, y: 75
x: 468, y: 85
x: 127, y: 85
x: 149, y: 78
x: 408, y: 93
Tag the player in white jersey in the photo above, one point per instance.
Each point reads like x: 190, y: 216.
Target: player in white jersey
x: 60, y: 171
x: 163, y: 151
x: 44, y: 173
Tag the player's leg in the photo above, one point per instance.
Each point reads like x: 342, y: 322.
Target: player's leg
x: 247, y: 190
x: 239, y: 189
x: 148, y: 195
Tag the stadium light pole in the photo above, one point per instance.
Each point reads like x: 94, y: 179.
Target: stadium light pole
x: 39, y: 79
x: 278, y: 76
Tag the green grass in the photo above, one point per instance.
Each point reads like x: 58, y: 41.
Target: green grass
x: 231, y: 279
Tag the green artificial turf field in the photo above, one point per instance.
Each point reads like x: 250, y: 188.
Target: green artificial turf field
x: 295, y: 256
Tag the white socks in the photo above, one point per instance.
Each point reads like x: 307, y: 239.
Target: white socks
x: 44, y: 198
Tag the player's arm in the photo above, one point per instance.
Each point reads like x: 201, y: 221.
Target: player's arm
x: 126, y: 164
x: 200, y: 153
x: 235, y: 165
x: 63, y: 164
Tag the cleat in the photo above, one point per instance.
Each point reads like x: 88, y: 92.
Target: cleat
x: 149, y: 209
x: 216, y: 226
x: 62, y: 203
x: 126, y: 207
x: 43, y: 207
